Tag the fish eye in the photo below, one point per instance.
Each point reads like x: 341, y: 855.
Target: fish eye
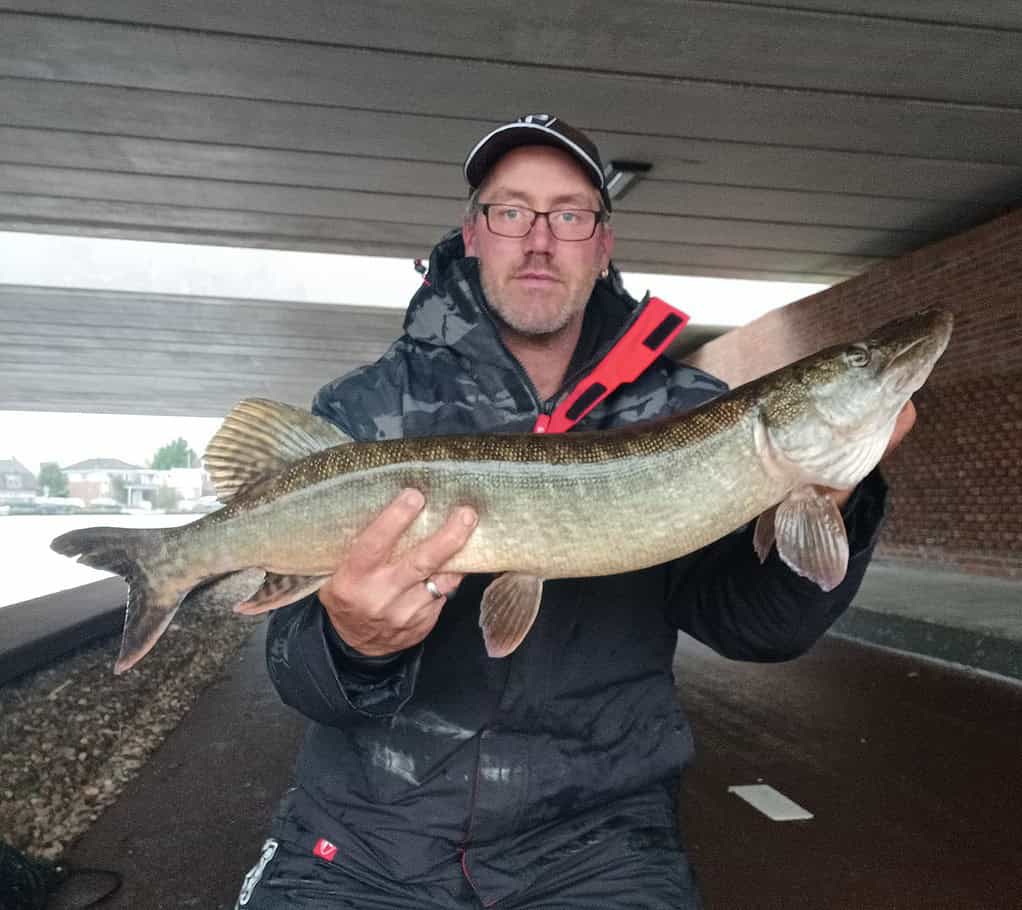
x: 858, y: 355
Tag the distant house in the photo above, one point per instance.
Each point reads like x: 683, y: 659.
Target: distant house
x: 94, y: 479
x: 16, y: 481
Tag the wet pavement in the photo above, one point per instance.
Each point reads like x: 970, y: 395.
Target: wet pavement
x: 186, y: 830
x: 910, y: 768
x: 970, y: 620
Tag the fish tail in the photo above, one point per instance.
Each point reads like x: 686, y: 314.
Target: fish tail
x: 155, y: 589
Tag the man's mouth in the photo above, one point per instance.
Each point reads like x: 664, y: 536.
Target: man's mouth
x: 535, y: 276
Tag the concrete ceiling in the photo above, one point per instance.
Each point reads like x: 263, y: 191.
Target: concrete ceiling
x: 799, y: 142
x: 168, y: 354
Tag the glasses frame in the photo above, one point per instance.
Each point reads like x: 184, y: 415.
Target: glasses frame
x: 484, y: 207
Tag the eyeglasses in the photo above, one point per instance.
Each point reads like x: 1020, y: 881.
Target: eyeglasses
x: 517, y: 221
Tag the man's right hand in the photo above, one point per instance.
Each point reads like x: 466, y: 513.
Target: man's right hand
x: 380, y: 606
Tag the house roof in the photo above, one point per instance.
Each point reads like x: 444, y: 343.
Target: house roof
x: 13, y: 466
x: 103, y: 464
x: 10, y: 466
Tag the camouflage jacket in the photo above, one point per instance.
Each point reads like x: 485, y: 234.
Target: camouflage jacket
x: 443, y: 756
x: 451, y: 373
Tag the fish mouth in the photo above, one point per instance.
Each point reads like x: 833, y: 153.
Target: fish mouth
x: 912, y: 361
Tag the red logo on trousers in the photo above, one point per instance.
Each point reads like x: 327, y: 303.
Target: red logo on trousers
x: 325, y: 850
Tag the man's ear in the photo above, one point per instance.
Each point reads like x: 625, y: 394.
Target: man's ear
x: 606, y: 244
x: 468, y: 236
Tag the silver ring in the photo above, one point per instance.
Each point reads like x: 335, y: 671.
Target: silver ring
x: 433, y: 589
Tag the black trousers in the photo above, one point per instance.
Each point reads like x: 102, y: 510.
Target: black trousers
x: 641, y: 869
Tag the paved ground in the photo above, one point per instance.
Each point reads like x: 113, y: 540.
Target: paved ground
x: 976, y: 622
x: 909, y: 767
x: 187, y: 829
x: 990, y: 606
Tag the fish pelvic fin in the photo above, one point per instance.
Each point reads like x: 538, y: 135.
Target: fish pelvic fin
x: 509, y: 608
x: 260, y: 438
x: 763, y: 538
x: 810, y: 536
x: 154, y: 593
x: 278, y: 591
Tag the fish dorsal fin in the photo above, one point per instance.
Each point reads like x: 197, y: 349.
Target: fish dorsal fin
x: 261, y: 437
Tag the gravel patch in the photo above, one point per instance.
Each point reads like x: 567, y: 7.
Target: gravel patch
x: 73, y: 735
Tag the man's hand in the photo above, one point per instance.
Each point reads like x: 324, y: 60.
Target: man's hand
x: 906, y: 420
x: 380, y: 607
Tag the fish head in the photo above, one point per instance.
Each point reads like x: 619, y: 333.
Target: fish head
x: 831, y: 415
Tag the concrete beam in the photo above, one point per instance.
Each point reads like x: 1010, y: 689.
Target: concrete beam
x: 117, y: 352
x: 710, y: 42
x: 423, y: 192
x: 55, y: 124
x: 33, y: 47
x: 1001, y: 14
x: 342, y: 212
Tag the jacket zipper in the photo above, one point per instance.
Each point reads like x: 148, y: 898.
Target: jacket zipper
x: 545, y: 408
x: 571, y: 381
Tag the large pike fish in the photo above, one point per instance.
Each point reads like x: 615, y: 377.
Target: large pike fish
x: 296, y: 491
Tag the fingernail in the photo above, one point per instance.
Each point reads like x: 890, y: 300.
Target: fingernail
x: 468, y: 518
x: 413, y: 498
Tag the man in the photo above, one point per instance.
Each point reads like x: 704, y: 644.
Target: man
x: 433, y: 776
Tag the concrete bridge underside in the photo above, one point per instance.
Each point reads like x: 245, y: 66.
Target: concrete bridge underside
x: 803, y: 142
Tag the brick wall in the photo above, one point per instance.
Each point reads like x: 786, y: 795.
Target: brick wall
x: 956, y: 493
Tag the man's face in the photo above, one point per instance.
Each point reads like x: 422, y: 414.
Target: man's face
x: 537, y: 284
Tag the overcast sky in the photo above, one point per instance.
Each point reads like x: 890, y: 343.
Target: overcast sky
x: 174, y: 268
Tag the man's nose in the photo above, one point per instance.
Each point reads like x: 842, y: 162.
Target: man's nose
x: 540, y: 239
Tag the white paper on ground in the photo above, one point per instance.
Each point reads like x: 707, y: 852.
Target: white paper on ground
x: 772, y: 803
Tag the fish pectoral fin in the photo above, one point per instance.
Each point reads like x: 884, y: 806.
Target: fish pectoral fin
x: 509, y: 607
x: 279, y: 591
x: 811, y: 538
x: 261, y: 437
x: 763, y: 538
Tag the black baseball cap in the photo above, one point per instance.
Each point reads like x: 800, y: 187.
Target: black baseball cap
x: 536, y: 129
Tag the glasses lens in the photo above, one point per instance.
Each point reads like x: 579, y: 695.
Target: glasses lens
x: 509, y: 220
x: 572, y: 224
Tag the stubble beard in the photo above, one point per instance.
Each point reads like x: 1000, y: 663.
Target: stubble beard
x: 533, y: 318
